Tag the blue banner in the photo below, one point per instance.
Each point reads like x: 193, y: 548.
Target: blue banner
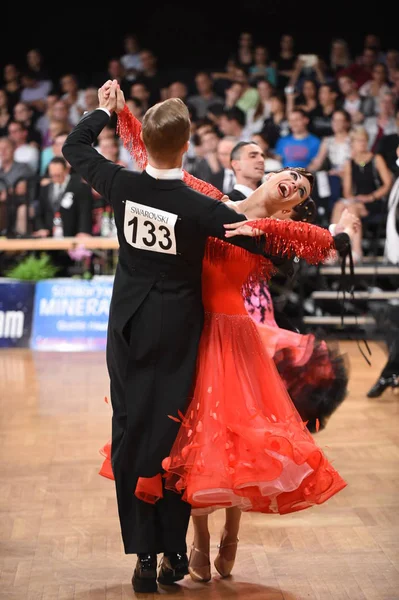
x: 71, y: 314
x: 16, y: 307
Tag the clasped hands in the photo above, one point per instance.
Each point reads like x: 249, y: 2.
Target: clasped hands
x: 111, y: 97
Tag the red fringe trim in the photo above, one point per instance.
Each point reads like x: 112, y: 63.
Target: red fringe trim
x: 294, y: 238
x: 202, y: 186
x: 129, y: 129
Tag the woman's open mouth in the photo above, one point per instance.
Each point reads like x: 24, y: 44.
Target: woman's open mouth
x: 284, y: 189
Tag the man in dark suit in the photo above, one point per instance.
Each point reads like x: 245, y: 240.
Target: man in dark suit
x: 156, y: 316
x: 68, y: 195
x: 248, y: 164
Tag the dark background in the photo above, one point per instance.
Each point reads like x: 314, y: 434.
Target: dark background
x: 81, y: 38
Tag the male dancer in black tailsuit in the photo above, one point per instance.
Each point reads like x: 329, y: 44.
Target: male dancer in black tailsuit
x: 156, y: 315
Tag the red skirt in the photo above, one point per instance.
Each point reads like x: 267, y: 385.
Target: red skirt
x: 242, y: 442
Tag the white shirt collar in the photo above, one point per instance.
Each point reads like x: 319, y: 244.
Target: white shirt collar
x: 244, y: 189
x: 176, y: 173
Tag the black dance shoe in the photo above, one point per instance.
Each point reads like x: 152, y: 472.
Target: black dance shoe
x: 382, y: 384
x: 145, y: 574
x: 173, y: 567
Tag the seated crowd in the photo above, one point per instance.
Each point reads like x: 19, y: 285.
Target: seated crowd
x: 337, y: 117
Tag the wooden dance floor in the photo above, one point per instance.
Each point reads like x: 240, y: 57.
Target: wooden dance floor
x: 59, y: 531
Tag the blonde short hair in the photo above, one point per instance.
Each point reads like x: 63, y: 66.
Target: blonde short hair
x: 166, y: 127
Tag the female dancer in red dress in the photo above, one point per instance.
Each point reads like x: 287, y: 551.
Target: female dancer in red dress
x: 242, y: 444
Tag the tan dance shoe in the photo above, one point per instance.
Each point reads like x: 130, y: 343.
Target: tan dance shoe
x: 198, y: 571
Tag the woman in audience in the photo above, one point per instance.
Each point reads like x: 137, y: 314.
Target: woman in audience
x: 334, y: 152
x: 256, y: 116
x: 307, y: 100
x: 366, y: 184
x: 262, y: 67
x: 339, y: 56
x: 373, y: 90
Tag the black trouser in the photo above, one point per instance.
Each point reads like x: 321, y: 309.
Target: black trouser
x: 392, y: 365
x: 153, y: 528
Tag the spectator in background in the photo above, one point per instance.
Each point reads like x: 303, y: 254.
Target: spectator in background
x: 392, y: 63
x: 124, y: 155
x: 256, y: 116
x: 395, y: 88
x: 73, y: 97
x: 350, y: 99
x: 366, y: 184
x: 285, y: 62
x: 233, y: 94
x: 224, y: 179
x: 300, y: 147
x: 12, y: 85
x: 34, y: 92
x: 5, y: 116
x: 24, y: 114
x: 91, y: 98
x: 116, y: 71
x: 178, y: 89
x: 59, y: 121
x: 208, y: 164
x: 214, y: 113
x: 362, y: 71
x: 387, y: 148
x: 373, y: 42
x: 340, y: 57
x: 248, y: 164
x: 249, y: 96
x: 373, y: 89
x: 131, y: 60
x: 244, y: 54
x: 333, y: 154
x: 25, y: 153
x: 206, y: 96
x: 382, y: 124
x: 42, y: 124
x: 153, y: 79
x: 140, y: 91
x: 66, y: 194
x: 334, y: 150
x: 262, y: 68
x: 320, y: 117
x: 51, y: 151
x: 276, y: 126
x: 35, y: 64
x: 307, y: 99
x: 136, y: 107
x: 232, y: 122
x: 15, y: 178
x: 272, y: 164
x: 223, y: 79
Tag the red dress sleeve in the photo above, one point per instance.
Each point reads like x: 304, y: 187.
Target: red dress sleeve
x: 295, y: 238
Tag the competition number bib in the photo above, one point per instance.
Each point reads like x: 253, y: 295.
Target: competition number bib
x: 148, y: 228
